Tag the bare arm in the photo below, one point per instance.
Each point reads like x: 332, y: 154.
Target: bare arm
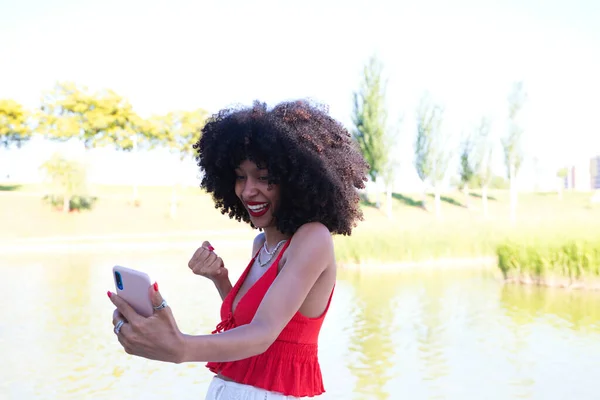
x: 223, y: 287
x: 308, y: 256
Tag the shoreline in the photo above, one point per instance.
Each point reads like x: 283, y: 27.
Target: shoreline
x: 237, y: 240
x: 158, y: 241
x: 483, y: 262
x: 106, y: 243
x: 555, y: 283
x: 183, y: 241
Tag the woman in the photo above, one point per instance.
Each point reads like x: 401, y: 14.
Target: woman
x: 292, y: 172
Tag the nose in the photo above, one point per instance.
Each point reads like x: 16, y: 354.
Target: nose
x: 250, y: 190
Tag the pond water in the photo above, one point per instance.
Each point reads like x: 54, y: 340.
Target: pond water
x: 418, y: 334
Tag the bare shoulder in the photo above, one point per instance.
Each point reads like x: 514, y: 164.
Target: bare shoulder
x: 313, y: 237
x: 259, y: 240
x: 313, y: 230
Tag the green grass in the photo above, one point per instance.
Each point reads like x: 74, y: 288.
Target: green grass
x: 414, y: 234
x: 411, y: 234
x: 567, y: 262
x: 25, y: 214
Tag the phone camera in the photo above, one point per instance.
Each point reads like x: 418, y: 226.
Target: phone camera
x: 119, y: 280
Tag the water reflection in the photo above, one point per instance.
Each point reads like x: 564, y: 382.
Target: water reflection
x: 371, y: 345
x: 535, y: 308
x: 577, y: 309
x: 431, y: 335
x: 420, y: 334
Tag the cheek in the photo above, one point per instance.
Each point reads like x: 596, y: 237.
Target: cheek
x: 274, y: 195
x: 238, y: 188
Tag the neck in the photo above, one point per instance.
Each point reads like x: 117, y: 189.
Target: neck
x: 273, y: 236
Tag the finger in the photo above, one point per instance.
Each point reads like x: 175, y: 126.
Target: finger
x: 207, y: 256
x: 212, y: 257
x: 214, y: 267
x: 155, y: 297
x: 124, y: 308
x: 199, y: 257
x: 194, y: 257
x: 204, y: 252
x: 122, y: 337
x: 201, y: 266
x: 117, y: 316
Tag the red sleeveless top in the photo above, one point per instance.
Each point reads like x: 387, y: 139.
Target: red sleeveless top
x: 290, y: 365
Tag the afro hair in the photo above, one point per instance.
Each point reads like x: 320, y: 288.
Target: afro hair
x: 309, y: 154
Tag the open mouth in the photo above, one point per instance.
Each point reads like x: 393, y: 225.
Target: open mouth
x: 257, y: 209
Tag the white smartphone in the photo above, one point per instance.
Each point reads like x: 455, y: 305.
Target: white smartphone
x: 132, y: 286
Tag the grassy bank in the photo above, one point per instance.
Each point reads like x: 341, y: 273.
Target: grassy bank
x: 411, y: 234
x: 565, y: 264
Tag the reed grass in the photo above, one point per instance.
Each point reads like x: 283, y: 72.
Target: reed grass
x: 569, y: 263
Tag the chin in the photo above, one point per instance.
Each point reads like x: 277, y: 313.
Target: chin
x: 262, y: 222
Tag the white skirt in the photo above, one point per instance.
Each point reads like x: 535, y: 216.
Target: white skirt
x: 220, y: 389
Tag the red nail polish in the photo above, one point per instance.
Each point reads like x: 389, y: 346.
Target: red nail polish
x: 155, y: 287
x: 211, y: 248
x: 109, y: 294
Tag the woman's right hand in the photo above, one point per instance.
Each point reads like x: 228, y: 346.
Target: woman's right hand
x: 206, y: 263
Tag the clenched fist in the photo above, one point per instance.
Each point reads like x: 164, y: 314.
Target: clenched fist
x: 206, y: 263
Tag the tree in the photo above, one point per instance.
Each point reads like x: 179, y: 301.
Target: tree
x: 179, y: 131
x: 96, y: 119
x: 67, y: 176
x: 14, y: 124
x: 482, y: 160
x: 466, y: 170
x: 431, y: 154
x: 185, y: 129
x: 562, y: 174
x: 513, y: 154
x: 369, y: 117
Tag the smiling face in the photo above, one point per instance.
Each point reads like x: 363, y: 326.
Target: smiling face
x: 253, y: 189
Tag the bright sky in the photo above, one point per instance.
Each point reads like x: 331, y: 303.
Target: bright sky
x: 179, y: 54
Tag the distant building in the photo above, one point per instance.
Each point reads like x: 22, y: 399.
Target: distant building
x: 595, y: 173
x: 584, y: 176
x: 578, y: 178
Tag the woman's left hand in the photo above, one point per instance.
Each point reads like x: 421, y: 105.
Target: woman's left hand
x: 156, y: 337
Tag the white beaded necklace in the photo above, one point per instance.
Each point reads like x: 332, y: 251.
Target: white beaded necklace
x: 270, y: 253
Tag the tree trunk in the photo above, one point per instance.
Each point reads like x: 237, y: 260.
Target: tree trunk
x: 66, y: 203
x: 378, y: 192
x: 467, y: 196
x: 134, y: 194
x: 388, y: 201
x: 135, y: 198
x: 438, y: 203
x: 424, y: 199
x: 513, y: 196
x: 560, y: 193
x: 173, y: 208
x: 484, y: 200
x: 560, y: 186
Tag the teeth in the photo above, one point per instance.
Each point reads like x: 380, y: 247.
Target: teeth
x: 258, y: 207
